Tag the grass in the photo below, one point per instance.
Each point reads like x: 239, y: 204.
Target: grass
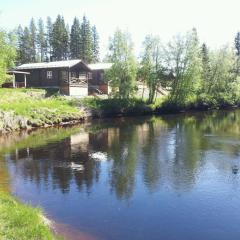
x: 37, y: 110
x: 18, y: 221
x: 23, y: 108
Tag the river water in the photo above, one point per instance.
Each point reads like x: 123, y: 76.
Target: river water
x: 174, y: 177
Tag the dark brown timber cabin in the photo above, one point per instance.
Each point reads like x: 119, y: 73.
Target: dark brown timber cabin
x: 71, y: 77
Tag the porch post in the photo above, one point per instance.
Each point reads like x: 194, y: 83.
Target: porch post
x: 14, y: 81
x: 25, y: 81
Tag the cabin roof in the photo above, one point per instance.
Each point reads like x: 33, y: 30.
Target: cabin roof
x: 100, y: 66
x: 58, y: 64
x: 17, y: 72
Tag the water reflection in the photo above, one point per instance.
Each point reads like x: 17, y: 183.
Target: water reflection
x: 171, y: 149
x: 126, y: 160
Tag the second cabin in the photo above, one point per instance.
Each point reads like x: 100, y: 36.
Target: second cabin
x: 71, y: 77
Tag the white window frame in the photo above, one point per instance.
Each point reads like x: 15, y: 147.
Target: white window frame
x: 49, y: 74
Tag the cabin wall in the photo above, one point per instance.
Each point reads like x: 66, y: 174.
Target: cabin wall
x: 51, y: 82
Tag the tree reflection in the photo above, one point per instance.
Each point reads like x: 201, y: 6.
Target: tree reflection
x: 154, y: 151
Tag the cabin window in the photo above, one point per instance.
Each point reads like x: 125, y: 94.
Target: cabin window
x: 49, y: 74
x: 101, y: 76
x: 73, y: 74
x: 89, y: 75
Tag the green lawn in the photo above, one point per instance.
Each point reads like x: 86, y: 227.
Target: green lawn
x: 34, y: 109
x: 21, y: 222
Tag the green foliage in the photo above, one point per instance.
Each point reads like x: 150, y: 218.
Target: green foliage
x: 237, y: 43
x: 18, y: 221
x: 183, y: 59
x: 95, y: 45
x: 60, y: 39
x: 33, y: 41
x: 86, y: 43
x: 115, y: 106
x: 42, y: 41
x: 7, y: 54
x: 122, y: 75
x: 151, y: 69
x: 57, y: 41
x: 75, y: 40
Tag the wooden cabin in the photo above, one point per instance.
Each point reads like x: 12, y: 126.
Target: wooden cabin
x: 71, y: 77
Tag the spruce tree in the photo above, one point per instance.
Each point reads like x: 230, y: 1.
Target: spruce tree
x: 20, y: 49
x: 33, y: 37
x: 95, y: 45
x: 75, y: 39
x: 60, y: 39
x: 237, y: 44
x: 86, y: 47
x: 27, y: 46
x: 49, y: 32
x: 41, y: 39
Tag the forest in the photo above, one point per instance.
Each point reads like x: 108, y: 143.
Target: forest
x: 195, y: 75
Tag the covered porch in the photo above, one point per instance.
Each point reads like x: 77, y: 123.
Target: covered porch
x: 18, y: 84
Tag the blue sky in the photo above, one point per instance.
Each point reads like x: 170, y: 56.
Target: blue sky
x: 217, y: 21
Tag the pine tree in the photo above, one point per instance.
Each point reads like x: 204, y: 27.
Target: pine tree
x: 20, y: 50
x: 27, y: 46
x: 237, y: 44
x: 60, y: 39
x: 49, y: 32
x: 75, y: 39
x: 33, y: 36
x: 86, y: 48
x: 95, y: 45
x: 42, y: 42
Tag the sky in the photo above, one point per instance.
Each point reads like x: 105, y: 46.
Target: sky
x: 216, y: 21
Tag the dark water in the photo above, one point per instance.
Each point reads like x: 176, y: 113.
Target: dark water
x: 172, y: 177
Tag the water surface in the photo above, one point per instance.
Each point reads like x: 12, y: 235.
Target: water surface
x: 172, y: 177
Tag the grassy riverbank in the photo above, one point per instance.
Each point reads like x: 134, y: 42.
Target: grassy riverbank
x: 21, y: 108
x: 27, y: 108
x: 18, y: 221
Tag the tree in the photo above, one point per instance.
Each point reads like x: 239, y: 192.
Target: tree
x: 183, y: 59
x: 224, y: 82
x: 59, y: 39
x: 42, y: 42
x: 95, y: 45
x: 206, y: 69
x: 86, y: 47
x: 237, y: 44
x: 33, y: 41
x: 20, y: 50
x: 49, y: 37
x: 7, y: 54
x: 24, y: 46
x: 151, y: 68
x: 122, y: 75
x: 75, y: 39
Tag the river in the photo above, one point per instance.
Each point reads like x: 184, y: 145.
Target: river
x: 174, y: 177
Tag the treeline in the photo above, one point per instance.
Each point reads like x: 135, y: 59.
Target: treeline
x: 52, y: 41
x: 194, y: 74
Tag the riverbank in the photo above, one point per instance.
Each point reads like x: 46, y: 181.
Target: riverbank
x: 18, y: 221
x: 31, y: 108
x: 22, y: 109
